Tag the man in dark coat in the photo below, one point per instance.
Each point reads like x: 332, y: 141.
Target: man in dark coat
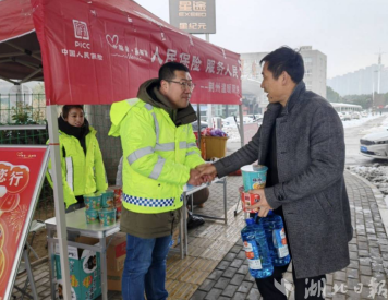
x: 301, y: 141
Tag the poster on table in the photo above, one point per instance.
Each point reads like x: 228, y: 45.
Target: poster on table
x: 22, y: 171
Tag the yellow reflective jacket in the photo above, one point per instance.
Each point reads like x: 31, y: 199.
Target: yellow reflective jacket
x: 80, y: 174
x: 157, y: 156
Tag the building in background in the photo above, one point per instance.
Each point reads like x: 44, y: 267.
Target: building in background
x: 254, y: 98
x: 20, y: 95
x: 315, y: 70
x: 361, y: 82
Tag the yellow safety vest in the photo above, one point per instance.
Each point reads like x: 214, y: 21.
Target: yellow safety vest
x: 157, y: 156
x: 80, y: 174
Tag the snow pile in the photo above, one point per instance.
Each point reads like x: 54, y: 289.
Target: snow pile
x: 355, y: 123
x: 234, y: 135
x: 376, y: 174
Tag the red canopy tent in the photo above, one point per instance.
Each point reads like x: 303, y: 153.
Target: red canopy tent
x: 100, y: 51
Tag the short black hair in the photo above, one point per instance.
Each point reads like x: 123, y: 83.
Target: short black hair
x: 66, y: 109
x: 285, y: 59
x: 166, y: 71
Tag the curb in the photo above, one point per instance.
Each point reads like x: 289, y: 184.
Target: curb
x: 381, y: 204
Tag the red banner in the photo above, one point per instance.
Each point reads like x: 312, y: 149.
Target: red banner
x: 16, y: 19
x: 21, y: 174
x: 101, y: 51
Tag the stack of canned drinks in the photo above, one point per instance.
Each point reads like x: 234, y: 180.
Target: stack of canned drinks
x: 99, y: 208
x: 107, y: 213
x: 92, y: 207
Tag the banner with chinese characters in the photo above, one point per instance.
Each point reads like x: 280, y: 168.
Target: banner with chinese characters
x: 22, y: 171
x: 101, y: 51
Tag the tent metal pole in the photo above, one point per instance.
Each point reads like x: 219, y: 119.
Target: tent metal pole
x: 199, y: 131
x: 56, y: 174
x: 34, y: 55
x: 209, y: 106
x: 241, y: 124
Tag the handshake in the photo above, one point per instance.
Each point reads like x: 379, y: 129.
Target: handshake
x: 202, y: 173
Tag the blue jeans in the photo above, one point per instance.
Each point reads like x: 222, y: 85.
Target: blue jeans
x: 145, y: 268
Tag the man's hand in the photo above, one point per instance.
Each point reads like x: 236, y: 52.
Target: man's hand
x: 195, y: 177
x: 208, y: 172
x: 262, y: 204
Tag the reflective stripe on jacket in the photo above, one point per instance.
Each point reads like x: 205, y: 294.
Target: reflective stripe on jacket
x: 157, y: 156
x: 80, y: 174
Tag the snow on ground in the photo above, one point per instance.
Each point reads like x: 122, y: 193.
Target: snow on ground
x: 383, y: 127
x: 376, y: 174
x: 234, y: 135
x: 354, y: 123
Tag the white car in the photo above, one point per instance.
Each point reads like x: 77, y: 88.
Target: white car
x: 347, y: 115
x: 375, y: 145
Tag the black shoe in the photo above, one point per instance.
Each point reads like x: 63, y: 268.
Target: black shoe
x: 193, y: 221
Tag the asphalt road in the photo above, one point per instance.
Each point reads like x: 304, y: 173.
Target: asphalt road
x: 352, y: 144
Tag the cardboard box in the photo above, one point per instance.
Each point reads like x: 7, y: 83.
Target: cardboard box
x: 116, y: 252
x: 115, y: 258
x: 114, y: 280
x: 84, y: 272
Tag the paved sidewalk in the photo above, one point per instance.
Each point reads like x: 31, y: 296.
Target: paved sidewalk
x: 215, y: 267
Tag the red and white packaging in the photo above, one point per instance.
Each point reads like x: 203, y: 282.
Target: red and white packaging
x: 247, y: 200
x: 117, y: 194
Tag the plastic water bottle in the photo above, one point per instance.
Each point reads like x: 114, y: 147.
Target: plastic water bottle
x: 256, y: 249
x: 276, y: 238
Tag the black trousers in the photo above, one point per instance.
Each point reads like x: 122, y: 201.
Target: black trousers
x: 304, y: 288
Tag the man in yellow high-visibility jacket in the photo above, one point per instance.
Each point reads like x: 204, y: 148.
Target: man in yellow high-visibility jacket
x: 159, y: 157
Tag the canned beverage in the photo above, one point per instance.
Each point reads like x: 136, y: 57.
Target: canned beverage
x: 92, y: 201
x: 91, y: 216
x: 254, y: 177
x: 107, y: 198
x: 247, y: 200
x: 107, y: 216
x: 117, y: 191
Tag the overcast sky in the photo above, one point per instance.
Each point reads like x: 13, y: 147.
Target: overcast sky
x: 349, y: 32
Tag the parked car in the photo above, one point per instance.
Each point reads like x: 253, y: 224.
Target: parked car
x: 375, y: 145
x: 195, y: 126
x: 356, y: 115
x: 346, y: 115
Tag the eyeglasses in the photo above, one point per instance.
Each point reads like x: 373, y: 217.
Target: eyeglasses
x: 184, y: 84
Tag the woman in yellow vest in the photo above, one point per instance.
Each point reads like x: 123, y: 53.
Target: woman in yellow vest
x: 83, y: 170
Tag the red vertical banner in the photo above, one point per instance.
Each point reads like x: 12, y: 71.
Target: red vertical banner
x: 22, y: 170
